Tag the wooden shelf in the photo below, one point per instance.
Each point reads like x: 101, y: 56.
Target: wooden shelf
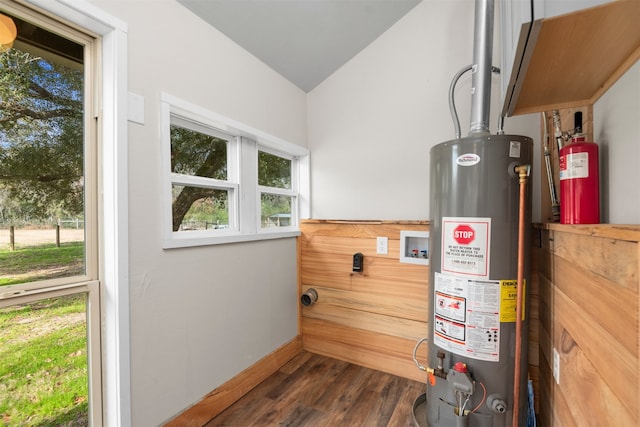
x: 622, y: 232
x: 578, y: 56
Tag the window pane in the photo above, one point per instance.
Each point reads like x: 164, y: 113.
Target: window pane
x: 43, y: 374
x: 275, y: 210
x: 196, y: 208
x: 274, y: 171
x: 198, y: 154
x: 42, y: 181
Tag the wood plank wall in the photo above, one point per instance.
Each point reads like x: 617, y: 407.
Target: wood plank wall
x: 373, y: 318
x: 587, y: 277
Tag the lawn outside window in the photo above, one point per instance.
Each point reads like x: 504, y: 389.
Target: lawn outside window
x: 225, y: 182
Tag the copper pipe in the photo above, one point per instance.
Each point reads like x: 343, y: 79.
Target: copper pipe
x: 523, y: 173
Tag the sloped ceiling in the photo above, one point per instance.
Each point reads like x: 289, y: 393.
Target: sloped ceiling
x: 303, y: 40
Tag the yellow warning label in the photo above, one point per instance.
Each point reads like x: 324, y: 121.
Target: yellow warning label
x: 508, y: 296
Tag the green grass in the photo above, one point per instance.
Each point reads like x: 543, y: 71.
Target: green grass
x: 43, y: 374
x: 43, y: 345
x: 41, y: 262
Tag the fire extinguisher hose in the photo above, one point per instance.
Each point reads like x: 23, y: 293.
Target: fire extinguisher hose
x: 555, y: 203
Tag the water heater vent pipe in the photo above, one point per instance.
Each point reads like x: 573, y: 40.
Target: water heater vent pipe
x: 481, y: 68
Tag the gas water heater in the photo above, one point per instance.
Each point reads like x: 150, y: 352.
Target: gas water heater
x: 474, y: 267
x: 479, y: 267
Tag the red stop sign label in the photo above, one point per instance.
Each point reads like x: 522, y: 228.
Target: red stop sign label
x: 464, y: 234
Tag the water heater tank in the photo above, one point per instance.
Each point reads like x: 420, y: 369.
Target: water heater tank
x: 474, y: 198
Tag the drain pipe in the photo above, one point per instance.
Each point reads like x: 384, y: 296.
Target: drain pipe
x: 523, y: 172
x: 309, y: 298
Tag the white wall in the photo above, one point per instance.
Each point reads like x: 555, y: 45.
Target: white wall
x: 199, y: 316
x: 617, y: 131
x: 373, y: 122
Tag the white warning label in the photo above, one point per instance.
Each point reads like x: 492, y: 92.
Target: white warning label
x: 574, y: 165
x: 465, y: 246
x: 466, y: 316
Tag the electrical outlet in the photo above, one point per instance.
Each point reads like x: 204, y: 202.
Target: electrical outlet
x: 382, y: 245
x: 556, y: 365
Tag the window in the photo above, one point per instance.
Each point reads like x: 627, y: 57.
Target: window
x: 202, y: 189
x: 226, y: 182
x: 277, y: 198
x: 49, y: 262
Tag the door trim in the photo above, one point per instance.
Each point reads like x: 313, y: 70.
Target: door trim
x: 113, y: 209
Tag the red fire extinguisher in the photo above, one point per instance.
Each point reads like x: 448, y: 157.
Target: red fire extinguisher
x: 579, y: 181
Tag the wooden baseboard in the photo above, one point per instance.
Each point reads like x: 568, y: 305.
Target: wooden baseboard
x: 224, y: 396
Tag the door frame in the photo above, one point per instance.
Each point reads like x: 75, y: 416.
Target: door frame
x: 113, y: 204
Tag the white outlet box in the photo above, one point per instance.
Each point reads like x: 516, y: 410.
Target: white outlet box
x: 414, y: 247
x: 382, y: 245
x: 556, y: 365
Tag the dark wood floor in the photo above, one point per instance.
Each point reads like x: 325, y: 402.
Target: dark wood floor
x: 313, y: 390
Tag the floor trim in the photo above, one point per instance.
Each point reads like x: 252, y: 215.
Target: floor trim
x: 228, y: 393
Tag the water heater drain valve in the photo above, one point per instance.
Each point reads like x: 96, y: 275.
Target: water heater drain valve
x: 496, y: 403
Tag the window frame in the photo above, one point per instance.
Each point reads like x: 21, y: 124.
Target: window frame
x: 289, y: 192
x: 231, y: 184
x: 242, y: 174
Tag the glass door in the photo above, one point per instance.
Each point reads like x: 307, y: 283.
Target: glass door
x: 49, y: 287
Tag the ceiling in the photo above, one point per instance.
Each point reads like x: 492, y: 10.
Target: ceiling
x: 303, y: 40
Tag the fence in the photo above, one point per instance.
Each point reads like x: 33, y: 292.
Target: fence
x: 71, y: 223
x: 201, y: 225
x: 23, y: 237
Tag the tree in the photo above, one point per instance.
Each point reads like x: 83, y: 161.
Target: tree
x: 274, y: 171
x: 41, y: 134
x: 194, y: 153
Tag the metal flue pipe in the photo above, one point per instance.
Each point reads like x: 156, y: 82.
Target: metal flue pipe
x: 481, y: 69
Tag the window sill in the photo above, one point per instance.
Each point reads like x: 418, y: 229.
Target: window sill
x: 185, y: 241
